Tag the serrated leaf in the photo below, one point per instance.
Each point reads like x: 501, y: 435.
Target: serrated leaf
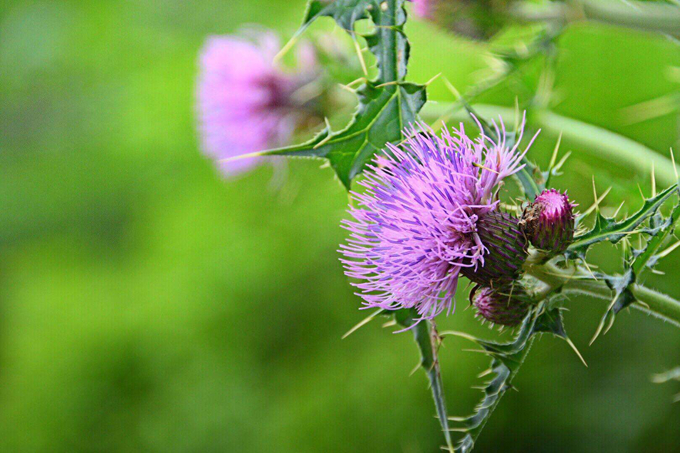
x: 660, y: 229
x: 551, y: 322
x: 609, y: 229
x: 382, y: 115
x: 388, y: 42
x: 640, y: 259
x: 623, y: 297
x: 637, y: 260
x: 507, y: 358
x: 386, y: 105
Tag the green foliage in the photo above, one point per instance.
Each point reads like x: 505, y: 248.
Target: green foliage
x: 427, y: 339
x: 144, y: 303
x: 506, y: 360
x: 612, y: 230
x: 636, y: 261
x: 382, y: 114
x: 659, y: 229
x: 386, y: 105
x: 530, y: 179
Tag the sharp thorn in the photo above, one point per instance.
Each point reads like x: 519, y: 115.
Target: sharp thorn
x: 433, y: 79
x: 362, y: 62
x: 675, y: 168
x: 597, y: 333
x: 484, y: 373
x: 362, y: 323
x: 457, y: 419
x: 573, y: 346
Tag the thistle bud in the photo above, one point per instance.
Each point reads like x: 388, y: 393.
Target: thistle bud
x: 549, y: 221
x: 499, y: 306
x: 506, y: 249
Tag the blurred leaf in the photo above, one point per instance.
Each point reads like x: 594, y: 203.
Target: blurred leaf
x: 530, y: 178
x: 386, y: 105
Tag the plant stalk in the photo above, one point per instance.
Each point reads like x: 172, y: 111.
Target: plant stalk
x: 648, y: 16
x: 427, y: 340
x: 578, y: 280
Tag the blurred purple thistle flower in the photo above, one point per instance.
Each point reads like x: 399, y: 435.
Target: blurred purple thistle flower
x: 244, y: 101
x: 423, y: 8
x: 416, y: 224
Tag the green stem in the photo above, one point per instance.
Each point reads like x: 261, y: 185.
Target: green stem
x: 648, y: 16
x: 580, y: 281
x: 427, y: 340
x: 591, y: 139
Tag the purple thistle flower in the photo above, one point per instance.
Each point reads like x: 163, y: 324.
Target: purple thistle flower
x: 243, y: 99
x: 549, y: 221
x: 416, y: 226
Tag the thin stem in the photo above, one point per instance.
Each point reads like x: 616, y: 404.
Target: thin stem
x: 591, y: 139
x: 427, y: 340
x: 654, y: 17
x: 579, y: 281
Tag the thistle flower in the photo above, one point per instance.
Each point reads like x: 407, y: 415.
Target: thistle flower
x: 244, y: 101
x: 423, y: 8
x: 500, y: 306
x: 549, y: 221
x: 428, y: 212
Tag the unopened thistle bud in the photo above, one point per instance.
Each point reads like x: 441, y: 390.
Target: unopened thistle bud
x: 504, y: 306
x: 476, y: 19
x: 506, y: 249
x: 549, y: 221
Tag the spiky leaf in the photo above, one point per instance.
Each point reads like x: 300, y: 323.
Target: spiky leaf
x: 609, y: 229
x: 507, y: 358
x: 622, y: 298
x: 637, y: 261
x: 386, y: 105
x: 659, y: 230
x: 382, y: 114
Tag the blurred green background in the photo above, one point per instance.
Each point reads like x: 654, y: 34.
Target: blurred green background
x: 146, y: 304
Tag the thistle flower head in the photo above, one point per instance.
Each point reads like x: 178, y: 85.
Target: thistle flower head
x: 244, y: 99
x: 416, y: 224
x: 476, y: 19
x: 549, y: 221
x: 423, y: 8
x: 499, y: 306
